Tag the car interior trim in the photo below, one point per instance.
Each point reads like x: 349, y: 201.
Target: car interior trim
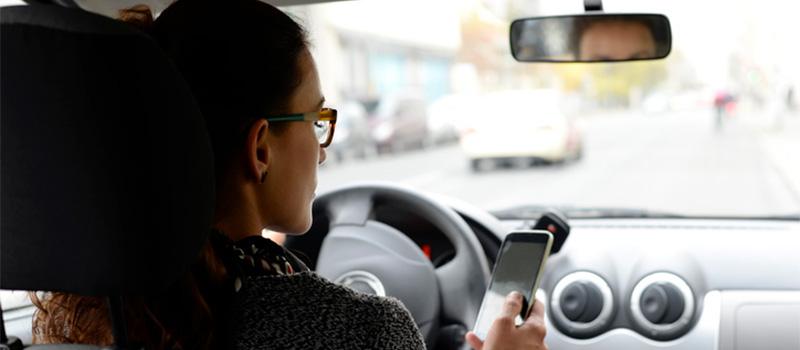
x: 662, y: 278
x: 704, y: 335
x: 608, y: 301
x: 760, y: 319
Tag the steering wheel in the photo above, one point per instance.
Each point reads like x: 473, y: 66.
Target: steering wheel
x: 373, y: 257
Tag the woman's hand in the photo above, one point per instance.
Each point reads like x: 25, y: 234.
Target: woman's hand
x: 504, y: 334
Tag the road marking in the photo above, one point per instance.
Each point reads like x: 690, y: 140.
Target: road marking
x: 424, y: 179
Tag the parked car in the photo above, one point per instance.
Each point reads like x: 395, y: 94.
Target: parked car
x: 523, y: 126
x: 352, y: 133
x: 448, y: 115
x: 400, y: 121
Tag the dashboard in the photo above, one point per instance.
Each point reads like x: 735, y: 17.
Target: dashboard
x: 669, y: 283
x: 678, y: 283
x: 649, y: 283
x: 631, y: 283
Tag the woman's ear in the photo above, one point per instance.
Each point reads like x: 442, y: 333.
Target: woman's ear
x: 257, y: 150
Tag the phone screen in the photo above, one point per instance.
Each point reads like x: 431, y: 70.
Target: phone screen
x: 517, y: 269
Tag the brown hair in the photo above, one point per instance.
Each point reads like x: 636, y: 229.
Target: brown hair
x: 240, y: 59
x: 178, y: 318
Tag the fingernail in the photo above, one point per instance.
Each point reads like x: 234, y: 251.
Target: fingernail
x: 514, y: 296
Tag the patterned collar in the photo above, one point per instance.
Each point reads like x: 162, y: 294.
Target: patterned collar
x: 254, y: 256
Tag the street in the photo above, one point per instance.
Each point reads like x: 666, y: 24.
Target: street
x: 675, y: 162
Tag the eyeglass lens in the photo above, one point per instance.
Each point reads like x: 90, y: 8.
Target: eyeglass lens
x: 322, y: 128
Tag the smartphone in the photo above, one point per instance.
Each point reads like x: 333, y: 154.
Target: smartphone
x: 518, y: 268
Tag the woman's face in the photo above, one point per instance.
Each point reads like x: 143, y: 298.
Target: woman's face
x: 617, y: 40
x: 294, y: 156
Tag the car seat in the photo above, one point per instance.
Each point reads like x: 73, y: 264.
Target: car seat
x: 106, y: 171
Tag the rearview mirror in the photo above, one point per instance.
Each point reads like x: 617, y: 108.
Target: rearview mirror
x: 591, y: 38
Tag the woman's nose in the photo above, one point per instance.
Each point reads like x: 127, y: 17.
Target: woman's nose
x: 322, y: 156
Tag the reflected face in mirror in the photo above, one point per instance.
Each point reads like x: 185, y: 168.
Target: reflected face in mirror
x: 606, y: 37
x: 614, y: 40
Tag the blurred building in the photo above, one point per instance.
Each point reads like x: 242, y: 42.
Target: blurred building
x: 363, y: 57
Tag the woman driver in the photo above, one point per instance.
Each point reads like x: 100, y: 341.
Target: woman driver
x: 250, y: 69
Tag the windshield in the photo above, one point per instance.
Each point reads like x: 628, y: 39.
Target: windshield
x: 712, y: 130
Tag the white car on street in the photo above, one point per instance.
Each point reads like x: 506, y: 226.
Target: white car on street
x: 521, y: 127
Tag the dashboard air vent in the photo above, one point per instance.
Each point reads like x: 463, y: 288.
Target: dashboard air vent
x: 662, y: 306
x: 582, y: 304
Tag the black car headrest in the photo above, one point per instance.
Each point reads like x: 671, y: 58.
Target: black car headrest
x: 106, y: 167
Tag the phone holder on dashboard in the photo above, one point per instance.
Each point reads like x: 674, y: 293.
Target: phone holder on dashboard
x: 555, y: 223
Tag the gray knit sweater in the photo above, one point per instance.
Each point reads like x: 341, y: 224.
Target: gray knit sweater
x: 307, y: 311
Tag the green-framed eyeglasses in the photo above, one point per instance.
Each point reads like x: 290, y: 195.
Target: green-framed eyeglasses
x: 324, y: 123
